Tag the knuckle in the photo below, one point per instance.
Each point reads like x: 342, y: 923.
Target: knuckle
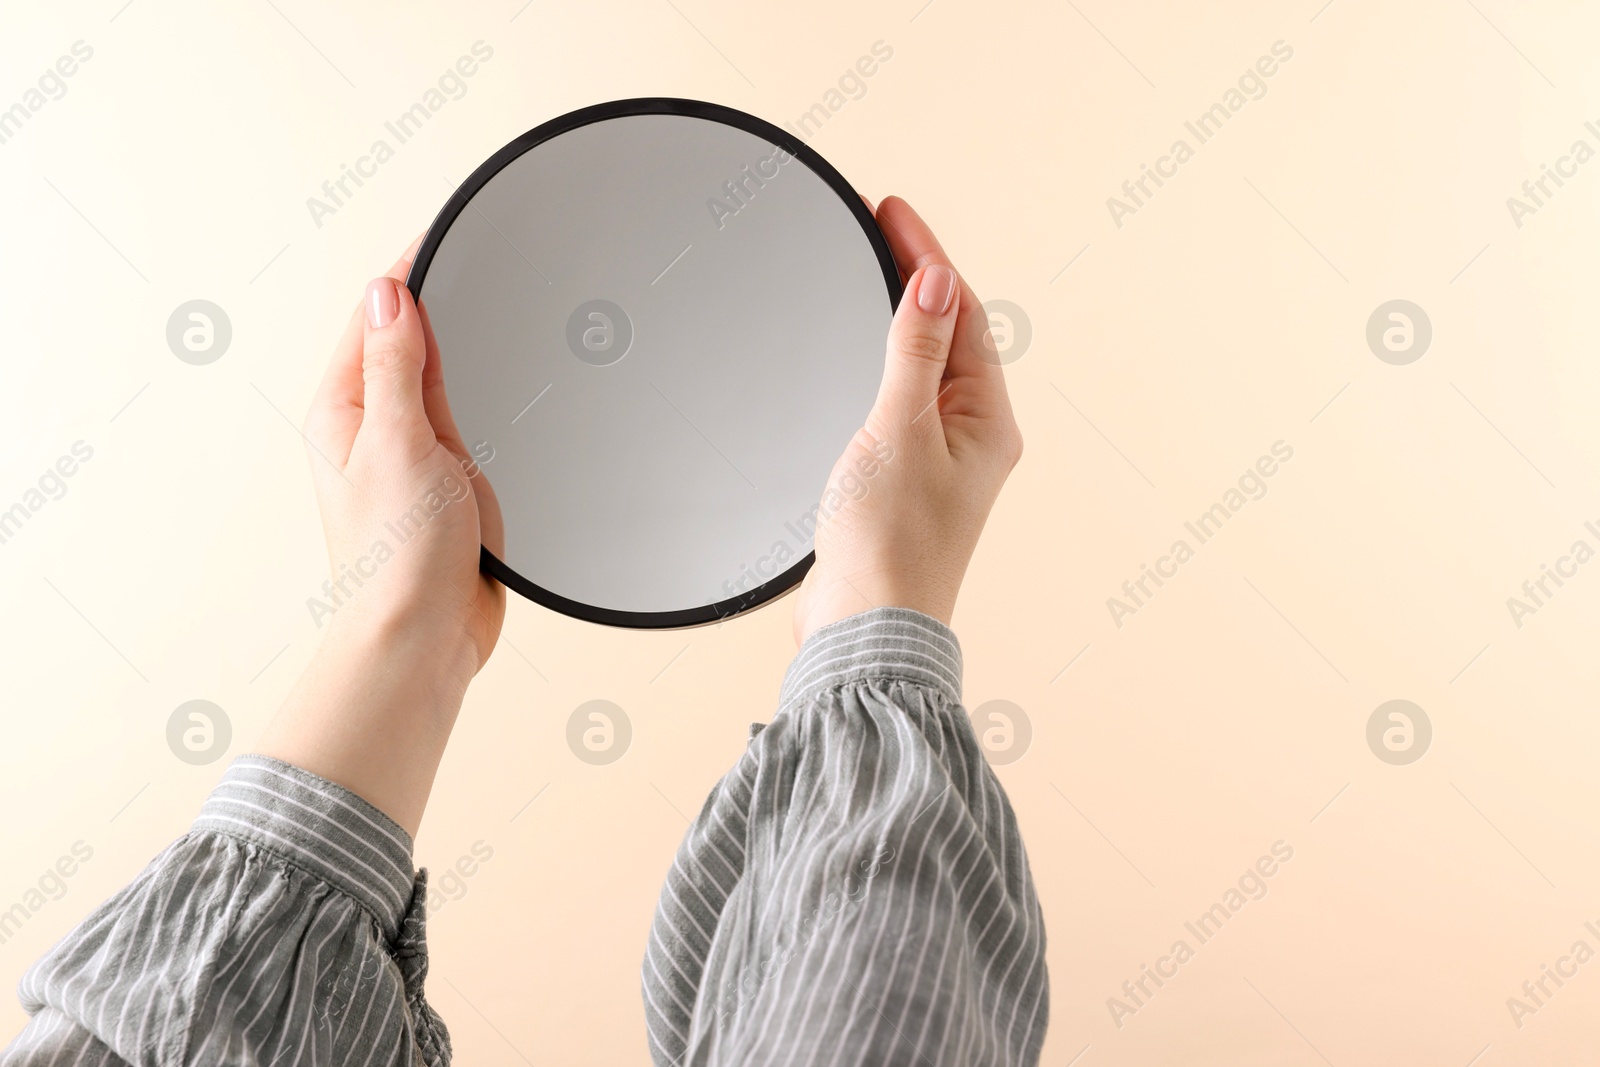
x: 389, y: 356
x: 919, y: 345
x: 1008, y: 444
x: 1015, y: 453
x: 868, y: 438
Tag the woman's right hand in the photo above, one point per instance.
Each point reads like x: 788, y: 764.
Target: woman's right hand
x: 907, y: 500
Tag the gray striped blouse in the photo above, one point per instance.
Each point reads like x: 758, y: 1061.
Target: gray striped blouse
x: 854, y: 892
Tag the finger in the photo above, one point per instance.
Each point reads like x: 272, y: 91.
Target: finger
x: 914, y: 245
x: 393, y: 354
x: 336, y: 410
x: 343, y: 378
x: 918, y: 347
x: 402, y: 266
x: 433, y: 398
x: 912, y: 242
x: 972, y: 355
x: 335, y: 413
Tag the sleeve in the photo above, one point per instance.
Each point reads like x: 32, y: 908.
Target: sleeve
x: 285, y: 927
x: 855, y: 889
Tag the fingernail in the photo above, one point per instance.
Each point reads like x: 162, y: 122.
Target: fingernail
x: 938, y: 285
x: 383, y: 302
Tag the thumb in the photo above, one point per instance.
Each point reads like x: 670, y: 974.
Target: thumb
x: 919, y: 346
x: 393, y: 354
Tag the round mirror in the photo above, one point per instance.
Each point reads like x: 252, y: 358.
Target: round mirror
x: 660, y: 323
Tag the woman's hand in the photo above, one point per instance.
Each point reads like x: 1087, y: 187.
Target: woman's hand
x: 407, y: 617
x: 405, y: 503
x: 907, y: 500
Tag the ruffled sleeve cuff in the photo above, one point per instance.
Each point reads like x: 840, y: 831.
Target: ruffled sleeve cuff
x: 322, y: 828
x: 880, y: 645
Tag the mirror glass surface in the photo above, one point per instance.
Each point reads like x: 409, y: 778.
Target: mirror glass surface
x: 661, y: 330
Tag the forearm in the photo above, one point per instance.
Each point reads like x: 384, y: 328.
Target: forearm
x: 373, y: 712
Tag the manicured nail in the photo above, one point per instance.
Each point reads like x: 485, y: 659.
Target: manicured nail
x: 938, y: 285
x: 383, y: 302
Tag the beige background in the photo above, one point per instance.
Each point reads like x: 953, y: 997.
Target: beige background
x: 1227, y: 314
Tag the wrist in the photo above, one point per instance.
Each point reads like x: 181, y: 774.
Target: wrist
x: 372, y: 713
x: 829, y: 599
x: 415, y: 647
